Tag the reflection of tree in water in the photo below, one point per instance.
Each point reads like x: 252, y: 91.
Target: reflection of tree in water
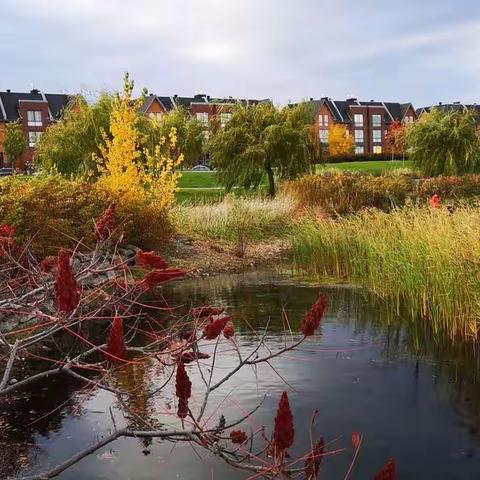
x: 455, y: 366
x: 138, y: 408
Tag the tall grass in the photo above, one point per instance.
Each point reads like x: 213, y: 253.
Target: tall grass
x: 233, y: 218
x: 423, y: 261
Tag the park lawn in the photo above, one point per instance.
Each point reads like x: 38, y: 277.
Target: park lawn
x: 198, y: 180
x: 373, y: 167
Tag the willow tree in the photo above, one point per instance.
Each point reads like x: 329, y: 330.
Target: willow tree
x: 70, y: 145
x: 190, y: 131
x: 262, y: 139
x: 444, y: 142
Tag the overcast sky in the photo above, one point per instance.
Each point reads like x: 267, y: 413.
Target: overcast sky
x: 422, y: 51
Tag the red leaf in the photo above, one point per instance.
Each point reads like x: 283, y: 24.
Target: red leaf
x: 229, y: 330
x: 284, y: 431
x: 388, y: 472
x: 106, y: 223
x: 238, y: 436
x: 150, y: 260
x: 66, y: 289
x: 7, y: 230
x: 156, y: 277
x: 116, y: 343
x: 215, y: 328
x: 313, y: 318
x: 183, y: 390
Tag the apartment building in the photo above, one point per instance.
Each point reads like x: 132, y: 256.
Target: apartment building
x: 451, y: 107
x: 368, y: 122
x: 35, y: 110
x: 201, y: 106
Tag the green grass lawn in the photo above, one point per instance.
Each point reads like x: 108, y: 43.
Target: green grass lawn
x: 373, y: 167
x: 198, y: 180
x: 203, y: 187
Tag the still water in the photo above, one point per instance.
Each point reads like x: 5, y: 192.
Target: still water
x: 411, y: 399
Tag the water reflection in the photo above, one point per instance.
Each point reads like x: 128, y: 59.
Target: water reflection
x: 412, y: 399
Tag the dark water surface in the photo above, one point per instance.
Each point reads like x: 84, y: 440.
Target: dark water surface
x: 420, y: 405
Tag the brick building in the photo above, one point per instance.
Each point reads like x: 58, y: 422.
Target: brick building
x: 203, y: 107
x: 368, y: 122
x: 35, y: 111
x: 451, y: 107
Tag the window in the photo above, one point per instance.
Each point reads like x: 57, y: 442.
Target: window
x: 34, y: 118
x: 409, y: 119
x: 377, y: 149
x: 377, y: 120
x: 156, y: 116
x: 359, y: 149
x: 358, y: 136
x: 33, y: 138
x: 203, y: 118
x: 324, y: 136
x: 323, y: 120
x: 377, y: 136
x: 225, y: 118
x: 358, y: 119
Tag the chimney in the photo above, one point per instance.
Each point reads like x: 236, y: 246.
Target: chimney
x: 311, y: 99
x: 35, y: 91
x: 352, y: 99
x: 8, y: 90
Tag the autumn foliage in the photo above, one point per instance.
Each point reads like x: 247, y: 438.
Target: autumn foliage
x: 183, y: 390
x: 284, y: 431
x: 314, y: 316
x: 66, y: 288
x: 340, y: 142
x: 116, y: 343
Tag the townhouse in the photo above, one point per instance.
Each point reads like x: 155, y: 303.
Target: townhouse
x: 368, y: 122
x: 35, y: 110
x: 201, y: 106
x: 451, y: 107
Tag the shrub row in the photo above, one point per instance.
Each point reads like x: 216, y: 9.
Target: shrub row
x: 364, y: 157
x: 346, y: 192
x: 54, y: 212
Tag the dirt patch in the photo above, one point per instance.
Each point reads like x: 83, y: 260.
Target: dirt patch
x: 207, y: 257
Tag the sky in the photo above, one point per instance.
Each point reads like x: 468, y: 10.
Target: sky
x: 419, y: 51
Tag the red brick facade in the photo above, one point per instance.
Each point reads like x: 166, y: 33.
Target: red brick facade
x: 35, y: 111
x: 367, y: 122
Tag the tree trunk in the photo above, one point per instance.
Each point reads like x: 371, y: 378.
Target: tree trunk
x: 271, y: 181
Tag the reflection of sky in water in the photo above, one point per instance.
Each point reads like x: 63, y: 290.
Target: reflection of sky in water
x: 359, y: 375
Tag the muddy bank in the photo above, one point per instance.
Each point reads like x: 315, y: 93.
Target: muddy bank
x: 208, y: 257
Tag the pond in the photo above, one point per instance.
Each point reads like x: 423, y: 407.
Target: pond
x: 413, y: 400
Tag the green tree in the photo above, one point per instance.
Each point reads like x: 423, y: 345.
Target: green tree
x: 70, y: 145
x: 261, y: 139
x: 444, y: 142
x: 15, y: 143
x: 190, y: 133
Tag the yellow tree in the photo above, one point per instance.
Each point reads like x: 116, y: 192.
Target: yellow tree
x: 340, y: 142
x: 124, y: 170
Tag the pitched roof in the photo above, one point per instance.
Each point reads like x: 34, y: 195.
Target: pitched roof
x: 9, y: 103
x: 166, y: 102
x: 451, y: 107
x: 341, y: 109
